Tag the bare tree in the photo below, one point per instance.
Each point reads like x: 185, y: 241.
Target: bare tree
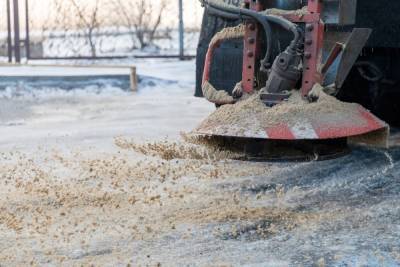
x: 89, y: 20
x: 70, y: 26
x: 142, y: 18
x: 44, y: 27
x: 84, y: 27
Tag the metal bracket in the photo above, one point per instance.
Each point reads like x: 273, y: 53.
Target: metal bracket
x: 333, y: 55
x: 351, y: 52
x: 251, y: 49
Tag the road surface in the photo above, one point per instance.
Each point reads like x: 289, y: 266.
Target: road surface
x: 99, y: 176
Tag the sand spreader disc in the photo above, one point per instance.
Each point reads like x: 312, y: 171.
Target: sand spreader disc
x: 321, y: 126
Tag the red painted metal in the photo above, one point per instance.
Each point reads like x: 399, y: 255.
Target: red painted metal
x: 314, y: 38
x: 251, y: 49
x: 315, y: 6
x: 312, y: 56
x: 357, y: 121
x: 366, y: 122
x: 280, y: 132
x: 337, y: 49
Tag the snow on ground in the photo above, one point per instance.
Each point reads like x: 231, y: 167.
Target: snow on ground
x: 80, y: 186
x: 165, y: 88
x: 155, y: 68
x: 50, y: 71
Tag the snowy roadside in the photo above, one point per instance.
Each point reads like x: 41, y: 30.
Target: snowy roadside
x: 163, y: 106
x: 168, y: 69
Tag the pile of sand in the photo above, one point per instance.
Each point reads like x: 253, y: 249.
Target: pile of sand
x: 251, y: 114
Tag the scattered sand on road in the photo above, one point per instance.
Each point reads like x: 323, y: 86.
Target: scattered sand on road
x: 192, y: 148
x: 60, y: 200
x: 84, y: 207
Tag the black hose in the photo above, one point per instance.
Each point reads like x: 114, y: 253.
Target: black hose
x: 223, y: 11
x: 288, y: 26
x: 222, y: 14
x: 228, y: 11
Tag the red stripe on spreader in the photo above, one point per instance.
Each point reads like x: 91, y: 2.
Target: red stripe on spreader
x: 373, y: 121
x: 366, y: 123
x: 280, y: 132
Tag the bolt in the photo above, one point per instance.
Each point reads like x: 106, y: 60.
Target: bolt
x: 307, y: 55
x: 252, y: 26
x: 309, y: 42
x: 250, y: 54
x: 252, y: 40
x: 310, y: 27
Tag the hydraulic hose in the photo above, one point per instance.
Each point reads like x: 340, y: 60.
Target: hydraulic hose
x: 225, y: 15
x: 259, y: 16
x: 229, y: 11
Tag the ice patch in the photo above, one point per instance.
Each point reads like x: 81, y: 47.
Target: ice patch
x: 54, y: 88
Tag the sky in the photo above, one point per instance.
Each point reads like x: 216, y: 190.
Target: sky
x: 192, y: 11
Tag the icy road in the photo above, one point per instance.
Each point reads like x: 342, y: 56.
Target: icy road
x: 88, y: 178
